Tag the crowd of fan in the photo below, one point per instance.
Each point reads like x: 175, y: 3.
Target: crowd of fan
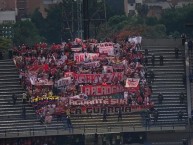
x: 49, y: 64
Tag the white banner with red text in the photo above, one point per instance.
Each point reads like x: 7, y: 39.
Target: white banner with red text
x: 81, y: 57
x: 99, y: 78
x: 101, y: 90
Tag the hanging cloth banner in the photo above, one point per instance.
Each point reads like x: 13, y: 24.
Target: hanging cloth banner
x: 64, y: 82
x: 99, y: 78
x: 132, y: 83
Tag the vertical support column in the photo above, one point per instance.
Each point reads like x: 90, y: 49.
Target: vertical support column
x: 187, y: 63
x: 79, y: 18
x: 105, y: 9
x: 86, y: 19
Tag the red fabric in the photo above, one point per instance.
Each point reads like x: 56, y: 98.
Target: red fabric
x: 46, y: 67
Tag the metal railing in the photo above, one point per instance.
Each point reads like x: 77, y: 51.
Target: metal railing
x: 84, y: 129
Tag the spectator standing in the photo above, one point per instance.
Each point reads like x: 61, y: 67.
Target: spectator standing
x: 14, y: 98
x: 23, y: 112
x: 176, y: 50
x: 10, y: 54
x: 153, y: 59
x: 1, y: 55
x: 184, y: 79
x: 152, y: 76
x: 180, y: 115
x: 191, y: 78
x: 42, y: 119
x: 104, y: 139
x: 147, y: 120
x: 105, y: 115
x: 95, y: 139
x: 182, y: 97
x: 183, y: 36
x: 119, y: 114
x: 146, y: 60
x: 190, y: 45
x: 155, y: 115
x: 161, y: 58
x: 24, y: 97
x: 192, y: 115
x: 160, y: 98
x: 146, y: 52
x: 69, y: 123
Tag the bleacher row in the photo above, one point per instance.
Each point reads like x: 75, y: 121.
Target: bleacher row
x: 168, y: 81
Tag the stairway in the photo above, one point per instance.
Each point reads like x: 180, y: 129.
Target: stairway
x: 10, y: 115
x: 169, y: 82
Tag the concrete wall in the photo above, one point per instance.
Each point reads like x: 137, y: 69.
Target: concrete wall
x: 7, y: 16
x: 161, y: 42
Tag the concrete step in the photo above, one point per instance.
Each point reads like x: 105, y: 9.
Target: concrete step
x: 5, y: 86
x: 5, y: 73
x: 13, y: 115
x: 166, y: 66
x: 5, y: 69
x: 165, y: 90
x: 9, y: 76
x: 171, y: 85
x: 167, y: 80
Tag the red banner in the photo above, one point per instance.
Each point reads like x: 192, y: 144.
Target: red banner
x: 44, y: 67
x: 98, y: 78
x: 68, y: 74
x: 79, y: 57
x: 100, y: 90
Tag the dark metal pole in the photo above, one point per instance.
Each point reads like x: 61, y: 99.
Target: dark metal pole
x: 86, y: 19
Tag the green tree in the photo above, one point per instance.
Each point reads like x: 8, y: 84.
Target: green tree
x: 175, y: 19
x: 117, y: 19
x: 5, y: 43
x: 39, y: 22
x: 54, y: 24
x: 25, y: 32
x: 151, y: 21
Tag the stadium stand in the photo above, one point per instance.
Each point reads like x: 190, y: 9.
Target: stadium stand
x: 168, y: 81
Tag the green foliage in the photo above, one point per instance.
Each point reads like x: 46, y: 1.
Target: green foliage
x: 50, y: 28
x: 25, y: 32
x: 173, y: 22
x: 117, y: 19
x: 57, y: 24
x: 39, y: 22
x: 175, y: 19
x: 151, y: 21
x: 157, y: 31
x: 5, y: 43
x: 54, y: 24
x: 142, y: 10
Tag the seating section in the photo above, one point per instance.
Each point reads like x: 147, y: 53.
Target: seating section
x: 169, y: 82
x: 11, y: 115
